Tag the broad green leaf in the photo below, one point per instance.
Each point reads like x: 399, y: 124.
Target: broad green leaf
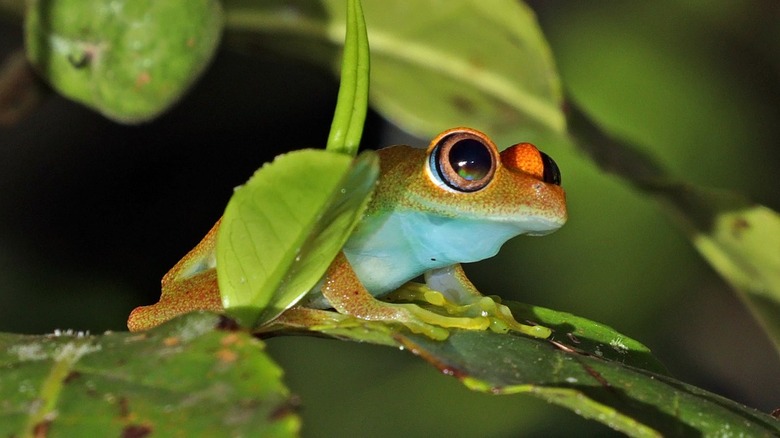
x: 352, y: 105
x: 434, y: 65
x: 282, y: 229
x: 185, y: 378
x: 128, y: 59
x: 635, y: 401
x: 332, y: 229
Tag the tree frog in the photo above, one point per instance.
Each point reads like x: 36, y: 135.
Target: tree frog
x: 456, y: 202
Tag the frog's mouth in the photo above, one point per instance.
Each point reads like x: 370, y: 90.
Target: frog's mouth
x: 548, y: 227
x: 540, y: 233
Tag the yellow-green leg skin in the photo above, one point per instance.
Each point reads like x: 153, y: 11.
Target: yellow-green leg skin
x: 449, y: 289
x: 347, y: 295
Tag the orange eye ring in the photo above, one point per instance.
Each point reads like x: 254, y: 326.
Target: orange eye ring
x: 463, y: 159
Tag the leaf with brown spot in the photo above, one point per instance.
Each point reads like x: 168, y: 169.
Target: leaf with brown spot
x: 129, y: 60
x: 136, y: 431
x: 123, y: 384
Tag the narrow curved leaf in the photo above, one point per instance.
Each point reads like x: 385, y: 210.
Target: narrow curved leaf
x: 184, y: 378
x: 128, y: 59
x: 282, y: 229
x: 352, y: 105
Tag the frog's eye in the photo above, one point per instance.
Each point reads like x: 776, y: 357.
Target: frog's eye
x: 551, y: 172
x: 463, y: 159
x: 526, y: 158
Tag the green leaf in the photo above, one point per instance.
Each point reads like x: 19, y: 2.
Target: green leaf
x: 589, y: 336
x: 569, y: 331
x: 739, y: 238
x: 282, y: 229
x: 352, y: 105
x: 185, y: 378
x: 128, y: 59
x: 635, y: 401
x: 433, y: 64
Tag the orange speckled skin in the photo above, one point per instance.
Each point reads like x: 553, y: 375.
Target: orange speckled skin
x: 183, y: 293
x: 406, y: 183
x: 524, y: 157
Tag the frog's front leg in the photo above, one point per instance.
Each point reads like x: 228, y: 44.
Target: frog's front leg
x: 347, y: 295
x: 448, y: 288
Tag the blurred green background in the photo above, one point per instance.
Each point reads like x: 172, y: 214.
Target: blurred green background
x: 93, y: 213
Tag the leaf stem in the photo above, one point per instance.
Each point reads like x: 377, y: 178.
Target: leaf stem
x: 352, y: 105
x: 45, y: 407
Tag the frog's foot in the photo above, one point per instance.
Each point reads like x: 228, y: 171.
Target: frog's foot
x: 427, y: 322
x: 411, y: 315
x: 468, y: 306
x: 348, y: 296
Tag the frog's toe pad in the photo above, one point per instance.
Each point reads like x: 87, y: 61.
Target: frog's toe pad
x: 476, y: 313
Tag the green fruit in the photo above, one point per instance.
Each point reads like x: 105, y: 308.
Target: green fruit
x: 128, y: 59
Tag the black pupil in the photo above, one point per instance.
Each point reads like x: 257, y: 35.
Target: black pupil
x: 552, y: 174
x: 470, y: 159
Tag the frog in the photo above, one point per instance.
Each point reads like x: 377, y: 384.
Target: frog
x: 456, y: 201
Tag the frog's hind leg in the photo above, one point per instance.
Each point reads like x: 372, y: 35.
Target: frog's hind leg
x: 347, y: 295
